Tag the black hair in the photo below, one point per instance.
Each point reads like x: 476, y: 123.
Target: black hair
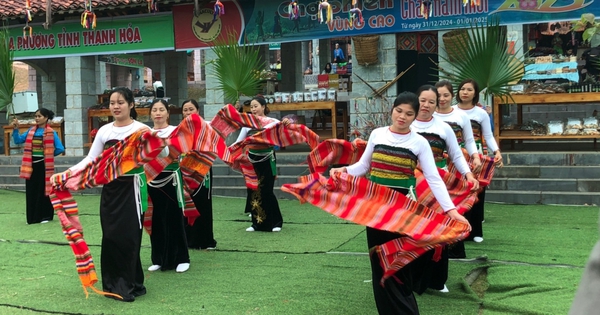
x: 160, y: 101
x: 409, y: 98
x: 128, y: 96
x: 46, y: 113
x: 475, y: 87
x: 429, y: 87
x: 261, y: 100
x: 193, y: 101
x: 446, y: 84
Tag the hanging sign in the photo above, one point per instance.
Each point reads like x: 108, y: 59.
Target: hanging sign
x: 126, y: 60
x: 123, y: 35
x: 270, y: 21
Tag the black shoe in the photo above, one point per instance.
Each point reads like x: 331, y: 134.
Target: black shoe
x: 139, y: 292
x: 127, y: 298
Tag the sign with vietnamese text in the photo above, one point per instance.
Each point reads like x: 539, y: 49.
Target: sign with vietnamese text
x: 133, y: 34
x: 126, y: 60
x: 269, y: 21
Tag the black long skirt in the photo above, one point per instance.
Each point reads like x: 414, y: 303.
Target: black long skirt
x: 38, y: 205
x: 396, y: 296
x: 200, y: 234
x: 262, y: 203
x: 169, y: 244
x: 475, y: 216
x: 121, y: 268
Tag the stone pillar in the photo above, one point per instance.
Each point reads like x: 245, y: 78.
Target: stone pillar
x: 373, y: 110
x: 176, y: 76
x: 80, y: 75
x: 305, y: 56
x: 325, y: 54
x: 316, y: 64
x: 291, y: 67
x: 102, y: 82
x: 197, y: 66
x: 214, y: 94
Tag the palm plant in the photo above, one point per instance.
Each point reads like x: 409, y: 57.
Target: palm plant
x: 484, y: 57
x: 7, y: 74
x: 237, y: 68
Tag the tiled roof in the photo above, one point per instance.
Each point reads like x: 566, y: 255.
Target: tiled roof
x: 16, y: 8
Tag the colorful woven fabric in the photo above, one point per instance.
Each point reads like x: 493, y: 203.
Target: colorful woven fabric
x: 487, y: 168
x: 458, y: 189
x: 136, y: 150
x: 478, y: 136
x: 364, y: 202
x: 390, y: 164
x: 27, y: 162
x: 199, y: 144
x: 438, y: 145
x: 228, y: 120
x: 458, y: 132
x: 335, y: 151
x: 140, y: 147
x: 279, y: 135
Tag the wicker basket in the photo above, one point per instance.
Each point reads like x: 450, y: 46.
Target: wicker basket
x: 452, y: 43
x: 366, y: 48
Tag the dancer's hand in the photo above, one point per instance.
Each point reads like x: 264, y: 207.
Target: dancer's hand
x: 498, y: 159
x: 15, y: 123
x: 471, y: 179
x: 286, y: 122
x: 476, y: 161
x: 453, y: 214
x: 337, y: 170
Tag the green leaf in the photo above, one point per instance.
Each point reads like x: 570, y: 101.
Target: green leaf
x: 484, y: 58
x: 7, y: 74
x: 237, y: 67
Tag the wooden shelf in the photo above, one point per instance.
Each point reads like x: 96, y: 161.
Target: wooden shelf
x: 526, y: 135
x: 58, y: 127
x: 545, y: 99
x: 144, y: 111
x: 538, y: 99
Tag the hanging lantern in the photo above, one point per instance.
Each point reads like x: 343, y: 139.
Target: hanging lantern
x: 426, y: 9
x: 219, y: 9
x: 28, y: 15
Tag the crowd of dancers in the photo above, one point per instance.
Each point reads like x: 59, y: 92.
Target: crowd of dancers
x: 427, y: 169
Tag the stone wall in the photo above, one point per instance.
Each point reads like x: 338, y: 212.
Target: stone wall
x: 366, y: 111
x: 80, y: 78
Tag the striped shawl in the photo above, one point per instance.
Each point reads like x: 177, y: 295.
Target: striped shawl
x: 364, y: 202
x: 136, y: 150
x: 279, y: 135
x: 27, y: 162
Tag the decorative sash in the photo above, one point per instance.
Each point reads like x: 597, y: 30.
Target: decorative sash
x: 136, y: 150
x: 27, y: 162
x: 364, y: 202
x: 279, y: 135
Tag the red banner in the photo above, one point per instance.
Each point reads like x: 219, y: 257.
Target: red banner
x: 200, y: 30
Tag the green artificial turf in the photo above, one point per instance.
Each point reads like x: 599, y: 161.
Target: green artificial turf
x: 318, y: 264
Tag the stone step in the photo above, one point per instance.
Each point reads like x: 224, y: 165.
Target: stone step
x: 538, y: 171
x: 241, y: 192
x: 21, y: 187
x: 542, y: 197
x: 220, y: 169
x: 546, y: 184
x: 551, y: 158
x: 238, y: 180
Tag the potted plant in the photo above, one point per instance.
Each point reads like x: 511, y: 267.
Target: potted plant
x: 237, y: 68
x: 590, y: 28
x: 485, y: 58
x: 7, y: 74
